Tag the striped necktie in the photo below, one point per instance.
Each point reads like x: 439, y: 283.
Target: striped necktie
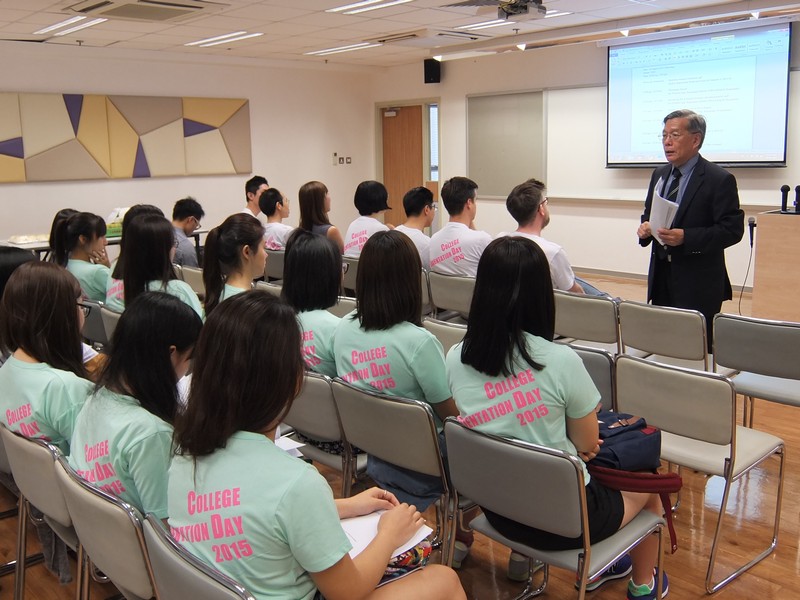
x: 672, y: 192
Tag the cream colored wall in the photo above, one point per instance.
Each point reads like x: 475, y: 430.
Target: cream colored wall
x: 299, y: 117
x: 595, y: 211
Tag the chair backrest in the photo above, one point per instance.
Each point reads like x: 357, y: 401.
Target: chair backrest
x: 451, y: 292
x: 313, y: 412
x: 110, y: 320
x: 757, y: 345
x: 273, y: 268
x: 349, y: 276
x: 93, y: 328
x: 343, y: 306
x: 110, y: 532
x: 600, y: 365
x: 448, y: 334
x: 426, y: 293
x: 673, y: 332
x: 178, y: 271
x: 194, y: 277
x: 681, y: 401
x: 411, y: 441
x: 179, y: 574
x: 32, y: 464
x: 272, y: 288
x: 487, y: 469
x: 590, y: 318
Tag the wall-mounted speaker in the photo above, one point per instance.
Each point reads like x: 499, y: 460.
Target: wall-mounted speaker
x: 433, y: 70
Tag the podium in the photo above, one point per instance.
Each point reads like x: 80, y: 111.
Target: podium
x: 776, y: 277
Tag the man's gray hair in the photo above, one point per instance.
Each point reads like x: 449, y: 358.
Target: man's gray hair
x: 697, y: 123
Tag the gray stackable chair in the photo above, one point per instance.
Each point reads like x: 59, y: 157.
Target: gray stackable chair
x: 411, y: 441
x: 673, y: 336
x: 272, y: 288
x: 314, y: 414
x: 273, y: 268
x: 764, y: 354
x: 110, y: 531
x: 179, y: 574
x: 426, y: 293
x: 487, y: 468
x: 33, y: 463
x: 194, y: 277
x: 588, y: 320
x: 343, y: 306
x: 451, y: 292
x: 600, y: 365
x: 178, y: 271
x: 110, y: 320
x: 696, y: 412
x: 448, y: 334
x: 350, y: 275
x: 93, y: 328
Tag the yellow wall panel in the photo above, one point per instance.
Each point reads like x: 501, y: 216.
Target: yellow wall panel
x: 122, y: 142
x: 165, y: 151
x: 211, y: 111
x: 10, y: 125
x: 12, y: 170
x: 45, y: 122
x: 206, y: 154
x: 93, y: 130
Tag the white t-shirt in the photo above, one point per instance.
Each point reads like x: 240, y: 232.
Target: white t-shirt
x: 421, y: 241
x: 560, y: 269
x: 359, y: 232
x: 456, y: 249
x: 276, y: 234
x: 260, y: 216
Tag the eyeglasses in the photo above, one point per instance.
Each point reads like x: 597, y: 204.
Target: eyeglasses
x: 673, y: 135
x: 345, y: 267
x: 85, y: 308
x: 433, y: 206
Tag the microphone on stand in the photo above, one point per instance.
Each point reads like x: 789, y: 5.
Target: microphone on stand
x: 797, y: 198
x: 784, y: 196
x: 751, y: 223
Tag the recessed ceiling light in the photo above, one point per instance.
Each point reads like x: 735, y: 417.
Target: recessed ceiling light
x: 214, y: 39
x: 59, y: 25
x: 356, y: 11
x: 81, y: 26
x: 483, y: 24
x: 365, y: 5
x: 232, y: 39
x: 556, y: 13
x: 339, y: 49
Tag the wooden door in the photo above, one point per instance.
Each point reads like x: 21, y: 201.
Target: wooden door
x: 402, y: 156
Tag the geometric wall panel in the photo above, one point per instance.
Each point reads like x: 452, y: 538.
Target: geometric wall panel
x: 206, y: 152
x: 56, y: 137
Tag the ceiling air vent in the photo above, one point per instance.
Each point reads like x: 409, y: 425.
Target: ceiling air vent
x: 147, y: 10
x: 429, y: 38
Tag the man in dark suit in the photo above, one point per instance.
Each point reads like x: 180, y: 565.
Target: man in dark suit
x: 687, y: 270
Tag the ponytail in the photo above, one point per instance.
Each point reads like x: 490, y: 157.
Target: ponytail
x: 212, y: 272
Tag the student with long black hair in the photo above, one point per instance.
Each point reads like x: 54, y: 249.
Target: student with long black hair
x: 315, y: 204
x: 44, y: 380
x: 234, y: 257
x: 80, y: 246
x: 280, y: 534
x: 509, y: 346
x: 146, y: 265
x: 127, y: 423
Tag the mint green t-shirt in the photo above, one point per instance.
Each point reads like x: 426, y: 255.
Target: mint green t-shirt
x: 404, y: 360
x: 39, y: 401
x: 123, y: 449
x: 319, y: 327
x: 93, y: 278
x: 267, y: 527
x: 531, y: 406
x: 229, y: 291
x: 115, y: 294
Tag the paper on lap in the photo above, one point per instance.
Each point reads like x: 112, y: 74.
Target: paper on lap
x: 362, y: 530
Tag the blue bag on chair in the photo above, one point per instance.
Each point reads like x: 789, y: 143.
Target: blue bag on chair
x: 629, y: 443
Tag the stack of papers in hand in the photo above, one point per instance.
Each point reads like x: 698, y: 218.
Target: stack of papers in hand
x: 362, y: 530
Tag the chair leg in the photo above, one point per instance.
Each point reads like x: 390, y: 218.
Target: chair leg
x: 82, y: 582
x: 752, y: 411
x: 22, y: 544
x: 530, y: 591
x: 710, y: 586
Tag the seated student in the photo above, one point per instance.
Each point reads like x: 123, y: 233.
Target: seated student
x: 315, y: 204
x: 10, y: 259
x: 371, y: 201
x: 386, y: 323
x: 43, y: 381
x: 516, y: 343
x: 527, y: 204
x: 234, y: 256
x: 420, y: 211
x: 64, y: 213
x: 186, y: 215
x: 130, y: 214
x: 146, y: 265
x: 276, y: 206
x: 122, y: 440
x: 253, y: 188
x: 312, y: 276
x: 456, y: 248
x: 282, y: 537
x: 80, y: 246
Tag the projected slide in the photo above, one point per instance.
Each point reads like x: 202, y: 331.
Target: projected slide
x: 737, y: 79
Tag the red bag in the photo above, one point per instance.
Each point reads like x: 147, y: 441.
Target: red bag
x: 662, y: 484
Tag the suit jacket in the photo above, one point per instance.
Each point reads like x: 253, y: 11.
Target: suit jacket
x: 710, y: 216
